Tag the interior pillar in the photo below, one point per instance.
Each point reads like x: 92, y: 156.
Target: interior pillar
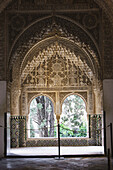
x: 108, y: 107
x: 2, y: 111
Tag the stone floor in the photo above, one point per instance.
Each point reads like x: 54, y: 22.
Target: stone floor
x: 81, y: 163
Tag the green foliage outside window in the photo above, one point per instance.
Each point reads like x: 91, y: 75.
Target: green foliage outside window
x: 73, y: 118
x: 42, y: 118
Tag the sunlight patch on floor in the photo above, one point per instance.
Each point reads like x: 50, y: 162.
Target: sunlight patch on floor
x: 54, y: 150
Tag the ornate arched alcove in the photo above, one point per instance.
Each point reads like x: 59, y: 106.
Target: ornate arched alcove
x: 57, y: 61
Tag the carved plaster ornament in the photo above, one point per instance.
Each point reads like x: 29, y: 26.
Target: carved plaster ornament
x: 57, y: 66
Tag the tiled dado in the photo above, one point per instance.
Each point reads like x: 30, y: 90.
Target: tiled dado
x: 63, y: 142
x: 18, y: 131
x: 96, y: 128
x: 18, y: 135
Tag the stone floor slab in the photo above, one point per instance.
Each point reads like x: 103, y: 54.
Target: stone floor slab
x: 92, y: 163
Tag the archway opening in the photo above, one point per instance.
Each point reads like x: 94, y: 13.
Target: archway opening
x: 42, y: 121
x: 74, y: 117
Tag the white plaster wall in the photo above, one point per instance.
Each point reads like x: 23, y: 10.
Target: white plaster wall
x: 2, y: 111
x: 108, y: 105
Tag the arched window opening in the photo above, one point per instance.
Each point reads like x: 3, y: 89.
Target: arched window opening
x: 42, y: 121
x: 74, y: 117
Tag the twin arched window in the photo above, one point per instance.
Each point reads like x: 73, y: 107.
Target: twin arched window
x: 43, y: 123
